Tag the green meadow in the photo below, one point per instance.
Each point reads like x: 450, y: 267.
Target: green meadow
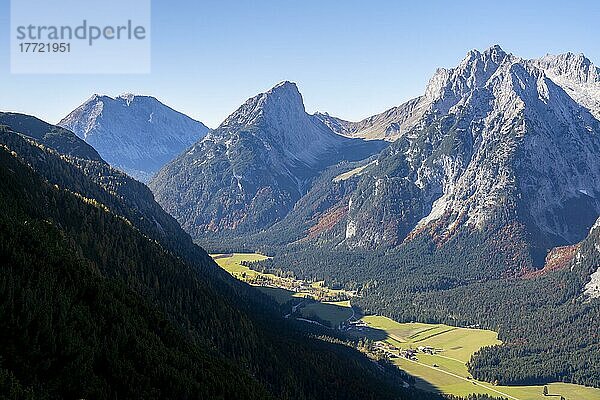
x: 446, y: 370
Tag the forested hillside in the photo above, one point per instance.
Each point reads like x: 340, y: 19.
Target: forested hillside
x: 68, y: 331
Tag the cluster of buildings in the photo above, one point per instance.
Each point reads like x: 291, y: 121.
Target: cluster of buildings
x: 358, y: 325
x: 410, y: 354
x: 310, y: 290
x: 426, y: 349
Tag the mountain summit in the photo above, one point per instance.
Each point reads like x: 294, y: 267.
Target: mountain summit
x: 251, y: 170
x: 281, y: 115
x: 136, y: 134
x: 577, y: 75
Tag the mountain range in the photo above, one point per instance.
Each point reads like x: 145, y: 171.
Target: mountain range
x: 575, y: 73
x: 499, y: 147
x: 494, y: 147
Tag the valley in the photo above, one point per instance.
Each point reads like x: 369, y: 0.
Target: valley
x: 436, y: 355
x: 311, y: 301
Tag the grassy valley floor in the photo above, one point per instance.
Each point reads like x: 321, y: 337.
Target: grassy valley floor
x: 445, y: 370
x: 435, y: 354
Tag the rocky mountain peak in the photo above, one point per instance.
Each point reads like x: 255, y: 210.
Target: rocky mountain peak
x: 474, y: 71
x: 136, y: 134
x: 491, y: 56
x: 576, y: 75
x: 130, y: 97
x: 285, y: 88
x: 278, y: 118
x: 481, y: 77
x: 250, y: 171
x: 283, y: 100
x: 478, y: 154
x: 577, y: 67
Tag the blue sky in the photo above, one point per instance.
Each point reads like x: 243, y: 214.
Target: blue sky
x: 349, y: 58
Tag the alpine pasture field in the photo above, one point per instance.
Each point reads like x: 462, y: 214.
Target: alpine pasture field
x: 446, y: 369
